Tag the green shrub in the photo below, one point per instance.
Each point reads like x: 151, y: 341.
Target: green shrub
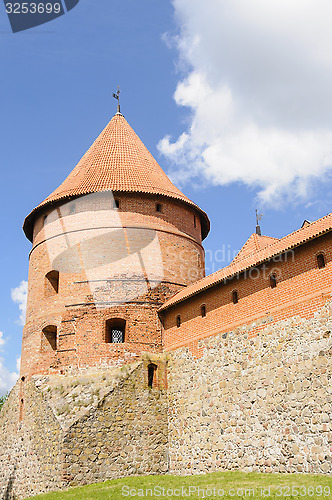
x: 3, y: 399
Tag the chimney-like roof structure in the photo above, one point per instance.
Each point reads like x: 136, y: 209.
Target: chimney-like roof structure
x: 117, y: 161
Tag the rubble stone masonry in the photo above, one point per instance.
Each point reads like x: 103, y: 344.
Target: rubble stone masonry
x: 83, y: 429
x: 258, y: 399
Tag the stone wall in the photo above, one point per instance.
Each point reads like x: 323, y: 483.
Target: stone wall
x: 82, y: 429
x: 255, y: 403
x: 29, y: 447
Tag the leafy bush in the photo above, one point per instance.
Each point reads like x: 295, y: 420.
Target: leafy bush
x: 2, y: 400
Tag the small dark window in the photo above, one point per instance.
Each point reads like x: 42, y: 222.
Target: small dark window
x: 151, y: 374
x: 21, y: 408
x: 320, y: 260
x: 117, y: 203
x: 194, y: 220
x: 178, y: 321
x: 52, y: 283
x: 49, y: 339
x: 235, y: 297
x: 115, y: 331
x: 72, y: 208
x: 273, y: 281
x: 158, y: 207
x: 203, y: 311
x: 23, y: 379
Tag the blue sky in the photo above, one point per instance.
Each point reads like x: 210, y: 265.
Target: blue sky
x: 233, y: 102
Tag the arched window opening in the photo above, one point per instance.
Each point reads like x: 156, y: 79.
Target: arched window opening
x: 115, y: 331
x: 320, y: 261
x: 235, y: 297
x: 49, y: 339
x: 273, y: 281
x: 178, y: 321
x: 158, y: 207
x: 52, y: 283
x: 194, y: 220
x: 152, y: 368
x: 203, y: 311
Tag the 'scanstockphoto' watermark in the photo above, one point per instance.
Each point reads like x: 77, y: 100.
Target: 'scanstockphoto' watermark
x: 236, y: 492
x: 26, y: 14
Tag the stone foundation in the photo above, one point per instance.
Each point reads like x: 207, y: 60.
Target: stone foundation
x: 83, y: 429
x: 254, y: 404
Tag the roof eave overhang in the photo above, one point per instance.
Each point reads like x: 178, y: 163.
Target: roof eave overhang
x: 30, y: 219
x: 165, y: 307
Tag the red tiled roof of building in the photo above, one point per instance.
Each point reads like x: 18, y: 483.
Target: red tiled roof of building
x: 117, y: 161
x: 292, y: 240
x: 253, y: 244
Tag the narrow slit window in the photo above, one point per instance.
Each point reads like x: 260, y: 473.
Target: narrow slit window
x: 158, y: 207
x: 21, y: 409
x: 235, y: 297
x: 116, y: 203
x: 49, y: 339
x: 152, y: 368
x: 273, y: 281
x: 178, y: 321
x: 320, y: 261
x: 52, y: 283
x: 115, y: 331
x: 72, y: 208
x: 194, y: 220
x: 203, y: 311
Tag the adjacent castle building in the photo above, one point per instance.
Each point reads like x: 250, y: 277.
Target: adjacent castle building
x: 135, y: 362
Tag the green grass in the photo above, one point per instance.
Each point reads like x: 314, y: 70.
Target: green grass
x: 234, y: 485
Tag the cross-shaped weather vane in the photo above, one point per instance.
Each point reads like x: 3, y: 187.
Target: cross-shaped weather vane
x: 117, y: 96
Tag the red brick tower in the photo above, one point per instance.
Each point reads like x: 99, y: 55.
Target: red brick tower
x: 110, y: 245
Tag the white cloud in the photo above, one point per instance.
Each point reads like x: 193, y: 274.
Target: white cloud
x: 19, y: 296
x: 2, y: 341
x: 7, y: 378
x: 257, y: 79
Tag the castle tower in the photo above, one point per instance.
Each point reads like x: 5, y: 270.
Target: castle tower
x: 109, y: 247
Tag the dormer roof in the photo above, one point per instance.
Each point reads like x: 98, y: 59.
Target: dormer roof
x: 254, y: 243
x: 117, y: 161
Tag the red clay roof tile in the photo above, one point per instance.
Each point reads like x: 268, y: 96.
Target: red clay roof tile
x: 288, y: 242
x: 254, y: 243
x: 117, y: 161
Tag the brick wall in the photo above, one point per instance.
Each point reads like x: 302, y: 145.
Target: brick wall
x: 120, y: 263
x: 302, y: 288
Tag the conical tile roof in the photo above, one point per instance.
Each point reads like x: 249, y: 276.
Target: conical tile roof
x: 117, y: 161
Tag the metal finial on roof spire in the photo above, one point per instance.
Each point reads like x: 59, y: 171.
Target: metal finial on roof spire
x: 117, y: 96
x: 258, y: 218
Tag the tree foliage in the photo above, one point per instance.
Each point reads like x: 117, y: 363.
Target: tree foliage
x: 2, y: 400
